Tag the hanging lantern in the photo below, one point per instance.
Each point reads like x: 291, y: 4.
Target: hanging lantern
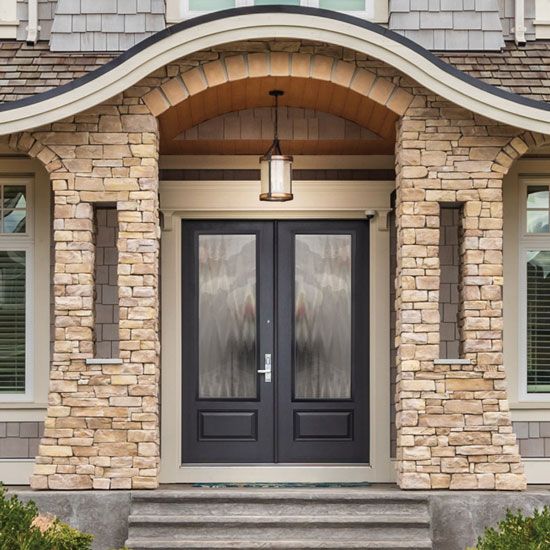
x: 276, y: 168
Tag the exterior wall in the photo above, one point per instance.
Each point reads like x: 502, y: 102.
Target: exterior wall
x: 105, y: 25
x: 447, y: 24
x: 507, y: 15
x: 20, y: 439
x: 453, y: 423
x: 101, y: 429
x: 46, y: 12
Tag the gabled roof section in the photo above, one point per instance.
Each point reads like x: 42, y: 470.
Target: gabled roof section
x: 121, y: 72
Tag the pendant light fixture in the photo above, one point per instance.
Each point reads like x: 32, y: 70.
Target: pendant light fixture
x: 276, y: 168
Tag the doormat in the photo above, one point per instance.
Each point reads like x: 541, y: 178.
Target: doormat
x: 282, y: 485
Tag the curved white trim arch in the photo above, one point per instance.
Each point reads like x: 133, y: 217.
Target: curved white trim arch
x: 253, y: 23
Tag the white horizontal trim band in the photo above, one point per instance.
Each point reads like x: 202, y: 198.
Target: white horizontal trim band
x: 414, y: 62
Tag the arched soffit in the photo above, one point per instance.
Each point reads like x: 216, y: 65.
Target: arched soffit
x: 302, y: 131
x: 275, y: 21
x: 243, y: 81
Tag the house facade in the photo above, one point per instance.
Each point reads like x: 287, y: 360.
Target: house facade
x: 161, y: 324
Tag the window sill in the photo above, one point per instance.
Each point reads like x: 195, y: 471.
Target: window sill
x: 542, y: 29
x: 97, y: 361
x: 453, y: 362
x: 8, y: 29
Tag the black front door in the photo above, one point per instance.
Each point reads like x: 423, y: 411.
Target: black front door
x: 275, y: 342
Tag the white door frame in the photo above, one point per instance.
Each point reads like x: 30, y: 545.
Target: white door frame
x: 239, y: 199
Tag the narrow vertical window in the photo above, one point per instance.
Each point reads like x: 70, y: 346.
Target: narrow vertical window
x: 106, y: 283
x: 449, y: 262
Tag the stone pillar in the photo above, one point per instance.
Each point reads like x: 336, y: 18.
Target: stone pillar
x: 102, y: 425
x: 453, y: 422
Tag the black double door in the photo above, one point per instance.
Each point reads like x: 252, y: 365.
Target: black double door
x: 275, y: 342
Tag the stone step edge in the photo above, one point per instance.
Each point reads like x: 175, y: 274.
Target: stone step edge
x: 156, y: 543
x: 372, y: 519
x: 170, y: 496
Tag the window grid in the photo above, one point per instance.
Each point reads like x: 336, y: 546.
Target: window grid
x: 18, y: 244
x: 534, y: 288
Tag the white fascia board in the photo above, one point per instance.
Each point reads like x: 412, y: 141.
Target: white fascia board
x: 413, y: 61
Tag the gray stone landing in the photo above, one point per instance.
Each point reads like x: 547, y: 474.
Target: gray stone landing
x: 178, y: 516
x: 278, y: 518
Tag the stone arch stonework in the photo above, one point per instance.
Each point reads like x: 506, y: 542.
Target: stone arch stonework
x: 280, y: 65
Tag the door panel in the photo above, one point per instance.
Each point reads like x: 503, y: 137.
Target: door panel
x: 296, y: 292
x: 322, y: 352
x: 227, y: 326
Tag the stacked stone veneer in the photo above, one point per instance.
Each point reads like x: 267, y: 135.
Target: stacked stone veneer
x: 102, y: 424
x: 453, y: 422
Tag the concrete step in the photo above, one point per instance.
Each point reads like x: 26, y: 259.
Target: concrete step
x: 268, y: 503
x: 149, y: 544
x: 327, y: 528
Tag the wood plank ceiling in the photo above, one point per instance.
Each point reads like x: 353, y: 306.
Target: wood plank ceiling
x: 299, y: 92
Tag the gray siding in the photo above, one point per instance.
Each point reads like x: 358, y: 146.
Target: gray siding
x: 507, y: 12
x: 105, y: 25
x: 534, y: 439
x: 449, y: 24
x: 106, y: 284
x: 46, y: 12
x: 20, y: 439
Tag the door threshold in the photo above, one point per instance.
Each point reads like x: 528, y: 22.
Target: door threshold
x: 271, y: 473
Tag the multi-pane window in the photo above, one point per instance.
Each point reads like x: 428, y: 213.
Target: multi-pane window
x: 538, y: 321
x: 16, y: 247
x: 184, y: 9
x: 534, y: 242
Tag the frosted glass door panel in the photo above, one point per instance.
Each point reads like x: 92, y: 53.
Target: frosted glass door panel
x: 322, y: 317
x: 227, y: 316
x: 210, y: 5
x: 342, y: 5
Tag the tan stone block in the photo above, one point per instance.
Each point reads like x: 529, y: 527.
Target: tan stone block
x: 156, y: 101
x: 468, y: 384
x: 55, y: 450
x: 69, y: 482
x: 464, y: 481
x: 441, y: 420
x: 236, y: 67
x: 510, y: 482
x: 414, y: 480
x: 321, y: 67
x: 399, y: 101
x: 258, y: 65
x: 470, y: 438
x: 416, y: 453
x: 381, y: 90
x: 414, y: 172
x: 342, y: 73
x: 215, y: 73
x: 463, y: 406
x: 362, y: 81
x: 194, y: 80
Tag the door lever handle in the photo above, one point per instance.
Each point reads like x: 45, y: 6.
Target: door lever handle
x: 267, y: 368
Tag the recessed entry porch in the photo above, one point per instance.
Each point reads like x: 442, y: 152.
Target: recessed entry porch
x: 301, y: 288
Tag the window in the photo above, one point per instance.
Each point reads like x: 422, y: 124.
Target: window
x: 8, y: 19
x: 534, y: 269
x: 16, y: 251
x: 373, y: 10
x: 542, y: 19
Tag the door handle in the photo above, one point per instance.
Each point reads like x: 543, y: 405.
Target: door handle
x: 267, y: 367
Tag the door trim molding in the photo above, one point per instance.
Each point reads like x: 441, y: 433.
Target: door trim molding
x: 366, y: 197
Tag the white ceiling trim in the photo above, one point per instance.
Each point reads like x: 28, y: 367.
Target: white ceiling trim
x: 250, y: 26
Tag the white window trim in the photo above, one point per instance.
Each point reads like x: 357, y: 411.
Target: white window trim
x: 542, y: 19
x: 527, y: 241
x: 8, y: 19
x: 377, y: 10
x: 24, y: 242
